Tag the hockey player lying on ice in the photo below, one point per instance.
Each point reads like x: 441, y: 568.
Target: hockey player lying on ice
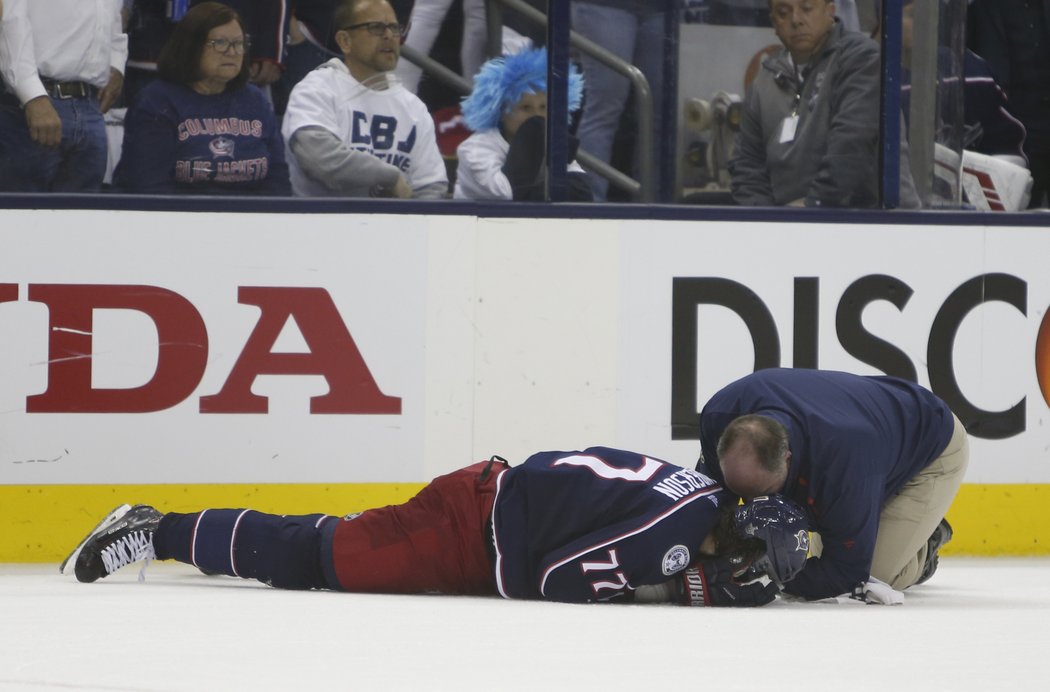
x: 598, y: 525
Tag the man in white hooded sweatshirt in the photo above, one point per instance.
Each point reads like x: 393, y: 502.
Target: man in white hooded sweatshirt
x: 351, y: 129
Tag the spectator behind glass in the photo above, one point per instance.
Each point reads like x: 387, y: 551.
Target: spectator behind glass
x: 201, y: 128
x: 507, y: 111
x: 311, y: 42
x: 352, y: 132
x: 756, y: 13
x: 151, y: 22
x: 1013, y: 36
x: 810, y: 129
x: 634, y: 31
x: 62, y: 65
x: 990, y: 126
x: 426, y: 20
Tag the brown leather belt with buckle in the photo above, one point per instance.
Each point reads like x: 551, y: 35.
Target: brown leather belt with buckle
x: 69, y: 90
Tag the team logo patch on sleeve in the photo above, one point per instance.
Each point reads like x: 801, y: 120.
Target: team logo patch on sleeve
x: 676, y: 559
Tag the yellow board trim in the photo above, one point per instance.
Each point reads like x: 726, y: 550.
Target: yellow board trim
x: 42, y: 523
x: 1000, y: 519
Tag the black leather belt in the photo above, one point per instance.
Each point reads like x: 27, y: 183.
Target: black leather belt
x: 69, y: 90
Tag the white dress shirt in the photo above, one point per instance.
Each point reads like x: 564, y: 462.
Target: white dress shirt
x: 64, y: 40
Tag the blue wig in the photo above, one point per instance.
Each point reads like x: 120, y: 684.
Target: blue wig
x: 501, y: 83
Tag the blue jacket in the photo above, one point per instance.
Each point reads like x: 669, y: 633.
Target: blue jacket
x: 1013, y: 36
x: 855, y: 441
x: 989, y: 121
x: 990, y: 126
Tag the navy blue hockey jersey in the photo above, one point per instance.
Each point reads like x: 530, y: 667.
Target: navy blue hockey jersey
x: 594, y: 525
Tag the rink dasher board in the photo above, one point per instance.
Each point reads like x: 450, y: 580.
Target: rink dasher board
x: 331, y: 362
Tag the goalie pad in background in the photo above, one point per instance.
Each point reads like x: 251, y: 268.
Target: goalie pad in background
x: 992, y: 184
x: 989, y: 183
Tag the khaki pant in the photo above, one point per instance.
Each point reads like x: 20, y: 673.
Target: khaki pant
x: 910, y: 516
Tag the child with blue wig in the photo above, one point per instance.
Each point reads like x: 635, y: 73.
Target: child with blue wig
x: 505, y: 157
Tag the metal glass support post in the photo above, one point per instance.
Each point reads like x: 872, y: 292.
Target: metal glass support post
x: 890, y: 113
x: 923, y: 118
x: 644, y: 189
x: 666, y: 148
x: 557, y: 100
x: 494, y: 29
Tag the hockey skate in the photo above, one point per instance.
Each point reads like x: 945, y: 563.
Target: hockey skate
x: 941, y: 535
x: 123, y: 537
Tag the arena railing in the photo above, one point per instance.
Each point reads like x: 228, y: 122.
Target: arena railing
x: 637, y: 190
x: 644, y: 188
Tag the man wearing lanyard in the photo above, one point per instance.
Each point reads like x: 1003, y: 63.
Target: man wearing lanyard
x: 62, y: 63
x: 810, y: 129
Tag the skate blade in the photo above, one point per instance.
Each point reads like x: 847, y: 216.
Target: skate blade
x: 112, y: 517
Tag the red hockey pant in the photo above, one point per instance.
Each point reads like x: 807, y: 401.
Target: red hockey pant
x: 434, y: 543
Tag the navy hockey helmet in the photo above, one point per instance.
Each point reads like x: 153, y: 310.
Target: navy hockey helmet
x: 782, y: 524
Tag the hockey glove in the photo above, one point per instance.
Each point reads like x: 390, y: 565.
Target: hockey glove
x: 715, y: 584
x: 526, y: 158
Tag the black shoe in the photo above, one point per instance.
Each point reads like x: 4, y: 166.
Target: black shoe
x: 123, y: 537
x: 941, y: 535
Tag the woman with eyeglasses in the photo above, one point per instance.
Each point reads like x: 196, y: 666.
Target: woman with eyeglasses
x: 201, y: 128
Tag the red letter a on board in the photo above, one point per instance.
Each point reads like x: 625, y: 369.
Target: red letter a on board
x: 333, y: 355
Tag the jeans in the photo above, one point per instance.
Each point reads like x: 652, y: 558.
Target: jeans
x: 77, y: 165
x: 636, y: 37
x: 427, y: 18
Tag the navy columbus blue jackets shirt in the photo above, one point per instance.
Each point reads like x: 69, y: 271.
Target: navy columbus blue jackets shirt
x: 176, y: 140
x: 594, y: 525
x: 855, y: 441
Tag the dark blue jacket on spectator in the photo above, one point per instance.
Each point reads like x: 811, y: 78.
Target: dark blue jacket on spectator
x: 990, y: 126
x: 1014, y: 37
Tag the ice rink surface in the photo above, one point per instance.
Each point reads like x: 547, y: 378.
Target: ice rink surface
x: 979, y: 624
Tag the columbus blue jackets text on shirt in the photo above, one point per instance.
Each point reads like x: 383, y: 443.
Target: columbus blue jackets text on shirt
x: 178, y: 140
